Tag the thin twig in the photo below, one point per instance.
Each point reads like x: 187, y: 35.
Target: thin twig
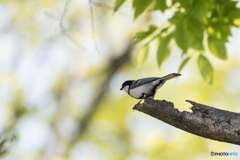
x: 65, y: 11
x: 63, y: 31
x: 106, y: 6
x: 93, y: 26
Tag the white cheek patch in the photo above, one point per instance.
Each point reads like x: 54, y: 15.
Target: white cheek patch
x: 126, y: 88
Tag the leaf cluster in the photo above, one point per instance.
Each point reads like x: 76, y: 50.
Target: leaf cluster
x: 196, y: 25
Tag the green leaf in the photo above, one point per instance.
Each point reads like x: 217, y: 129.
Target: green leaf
x: 229, y: 6
x: 176, y: 18
x: 183, y: 64
x: 194, y: 26
x: 198, y: 44
x: 200, y: 8
x: 142, y: 54
x: 142, y: 35
x: 233, y: 14
x: 187, y: 4
x: 164, y: 30
x: 163, y: 49
x: 205, y: 69
x: 182, y: 37
x: 217, y: 48
x: 220, y: 30
x: 118, y: 4
x: 140, y: 6
x: 161, y: 5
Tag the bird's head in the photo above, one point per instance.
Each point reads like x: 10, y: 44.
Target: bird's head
x: 126, y: 85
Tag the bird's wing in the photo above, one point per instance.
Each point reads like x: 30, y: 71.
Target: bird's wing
x: 140, y: 82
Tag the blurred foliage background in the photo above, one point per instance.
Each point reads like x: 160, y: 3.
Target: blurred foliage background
x: 62, y: 64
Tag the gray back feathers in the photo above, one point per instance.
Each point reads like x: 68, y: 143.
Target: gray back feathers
x: 143, y: 81
x: 140, y: 82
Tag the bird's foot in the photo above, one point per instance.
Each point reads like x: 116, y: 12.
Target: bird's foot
x: 137, y: 104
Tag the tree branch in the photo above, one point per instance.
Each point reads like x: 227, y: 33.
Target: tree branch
x: 204, y: 121
x: 110, y: 70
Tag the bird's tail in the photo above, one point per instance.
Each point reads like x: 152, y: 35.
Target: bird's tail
x: 170, y: 76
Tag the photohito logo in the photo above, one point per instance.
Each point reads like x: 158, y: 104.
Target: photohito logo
x: 223, y: 153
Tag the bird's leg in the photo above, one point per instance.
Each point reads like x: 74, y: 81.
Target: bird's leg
x: 139, y: 102
x: 143, y: 97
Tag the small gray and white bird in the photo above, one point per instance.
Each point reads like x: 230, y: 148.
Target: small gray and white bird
x: 146, y: 87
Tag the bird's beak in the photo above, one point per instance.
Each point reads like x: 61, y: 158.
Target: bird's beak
x: 121, y: 88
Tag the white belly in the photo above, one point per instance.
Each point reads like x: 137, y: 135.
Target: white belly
x: 138, y: 91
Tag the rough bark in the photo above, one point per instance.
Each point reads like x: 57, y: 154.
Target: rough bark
x: 204, y: 121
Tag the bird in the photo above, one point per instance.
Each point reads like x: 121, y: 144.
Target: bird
x: 145, y: 87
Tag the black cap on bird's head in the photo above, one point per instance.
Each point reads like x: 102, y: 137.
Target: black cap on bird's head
x: 126, y: 83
